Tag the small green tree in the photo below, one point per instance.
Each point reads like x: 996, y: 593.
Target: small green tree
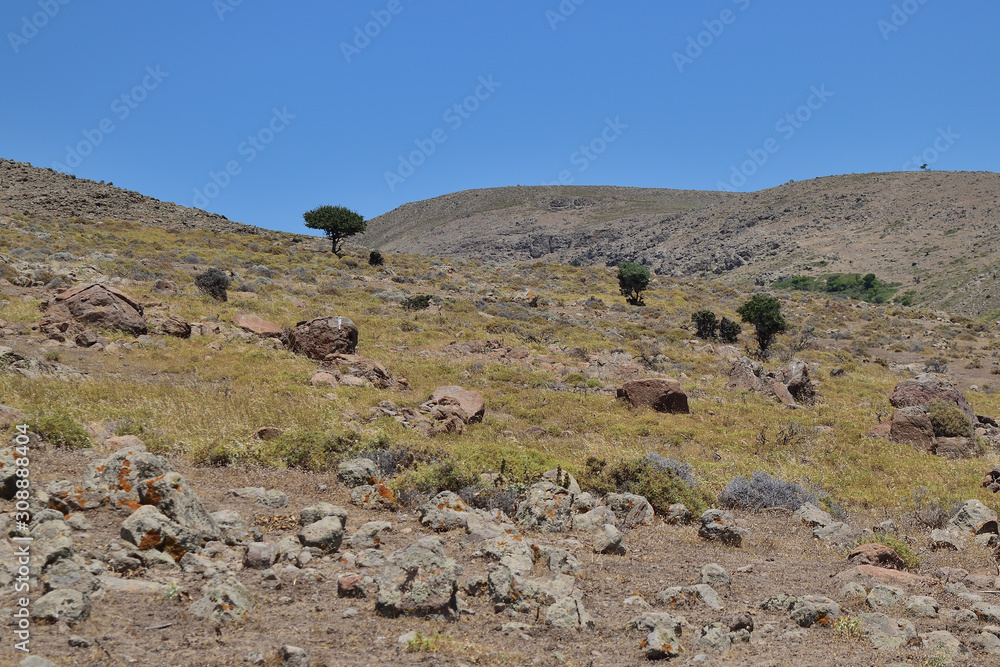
x: 764, y: 313
x: 337, y: 222
x: 729, y: 331
x: 707, y: 323
x: 633, y: 279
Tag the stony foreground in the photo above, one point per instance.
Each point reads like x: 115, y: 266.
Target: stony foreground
x: 165, y: 564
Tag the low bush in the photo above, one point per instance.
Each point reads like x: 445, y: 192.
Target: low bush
x: 911, y: 561
x: 213, y: 283
x: 60, y: 430
x: 661, y: 486
x: 417, y: 302
x: 762, y: 491
x: 375, y: 258
x: 308, y: 449
x: 948, y: 420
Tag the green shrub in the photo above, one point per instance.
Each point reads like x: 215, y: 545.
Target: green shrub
x: 417, y: 302
x: 764, y: 313
x: 661, y: 486
x: 308, y: 449
x: 633, y: 279
x: 707, y: 324
x: 59, y: 429
x: 214, y: 283
x: 375, y: 258
x: 948, y: 420
x: 911, y: 561
x: 729, y: 331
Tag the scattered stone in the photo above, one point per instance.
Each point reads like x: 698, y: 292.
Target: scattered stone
x: 357, y: 472
x: 548, y: 508
x: 468, y: 401
x: 882, y: 595
x: 223, y: 603
x: 947, y: 540
x: 148, y: 528
x: 837, y: 535
x: 942, y: 642
x: 714, y: 638
x: 974, y: 518
x: 677, y: 513
x: 853, y: 590
x: 650, y: 620
x: 607, y: 539
x: 293, y: 656
x: 445, y: 511
x: 813, y: 516
x: 373, y: 497
x: 273, y: 498
x: 876, y: 554
x: 720, y: 525
x: 369, y: 535
x: 812, y: 610
x: 172, y: 495
x: 325, y: 534
x: 314, y: 513
x: 922, y: 606
x: 662, y: 644
x: 661, y: 395
x: 233, y: 530
x: 630, y: 510
x: 260, y: 555
x: 257, y: 325
x: 65, y: 605
x: 715, y: 576
x: 568, y: 613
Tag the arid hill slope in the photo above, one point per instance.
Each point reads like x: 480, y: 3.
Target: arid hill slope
x: 42, y: 193
x: 932, y: 231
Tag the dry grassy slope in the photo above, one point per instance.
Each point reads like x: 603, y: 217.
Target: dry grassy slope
x: 930, y: 231
x: 39, y: 193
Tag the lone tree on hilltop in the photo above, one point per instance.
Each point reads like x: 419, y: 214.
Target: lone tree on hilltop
x: 337, y: 222
x: 764, y: 313
x: 633, y: 279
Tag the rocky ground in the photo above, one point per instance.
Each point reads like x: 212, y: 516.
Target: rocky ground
x: 581, y: 587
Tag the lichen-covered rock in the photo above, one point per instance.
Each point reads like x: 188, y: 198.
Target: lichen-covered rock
x: 810, y: 610
x: 67, y: 496
x: 172, y: 495
x: 69, y: 574
x: 720, y: 525
x: 812, y: 516
x: 882, y: 595
x: 369, y: 535
x: 321, y: 336
x: 927, y: 387
x: 376, y: 496
x: 568, y: 613
x: 445, y: 511
x: 548, y: 508
x: 357, y: 472
x: 314, y: 513
x: 148, y: 528
x: 630, y: 509
x: 662, y: 644
x: 120, y: 474
x: 974, y: 518
x: 716, y: 576
x: 325, y: 534
x: 65, y: 605
x: 419, y: 581
x: 227, y: 602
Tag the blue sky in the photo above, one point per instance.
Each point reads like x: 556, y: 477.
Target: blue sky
x: 261, y: 111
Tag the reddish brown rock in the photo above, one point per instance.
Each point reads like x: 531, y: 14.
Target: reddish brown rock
x: 661, y: 395
x: 956, y: 448
x: 471, y: 402
x: 344, y: 366
x: 881, y: 575
x: 322, y: 336
x: 94, y: 305
x: 924, y: 388
x: 912, y: 425
x: 881, y: 430
x: 991, y: 480
x: 175, y: 326
x: 772, y: 387
x: 257, y: 325
x: 876, y: 554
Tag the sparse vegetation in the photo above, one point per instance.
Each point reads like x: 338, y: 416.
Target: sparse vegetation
x: 762, y: 491
x: 911, y: 561
x: 863, y: 287
x: 948, y: 420
x: 58, y: 428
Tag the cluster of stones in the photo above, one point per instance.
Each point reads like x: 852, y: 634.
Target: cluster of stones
x: 790, y: 385
x: 448, y: 410
x: 911, y: 424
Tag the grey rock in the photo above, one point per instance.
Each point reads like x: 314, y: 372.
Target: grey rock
x: 148, y: 528
x: 563, y: 562
x: 720, y: 525
x: 293, y: 656
x: 678, y: 513
x: 662, y: 644
x: 881, y: 596
x: 812, y: 610
x: 594, y: 518
x: 974, y: 518
x: 631, y: 510
x: 987, y: 613
x: 714, y: 638
x: 948, y: 540
x: 314, y: 513
x: 325, y: 534
x: 233, y: 530
x: 584, y: 502
x: 445, y: 511
x: 36, y: 661
x: 69, y: 574
x: 650, y: 620
x: 716, y: 576
x: 357, y: 472
x: 943, y: 642
x: 273, y: 498
x: 227, y: 602
x: 678, y: 596
x: 260, y: 555
x: 922, y: 606
x: 985, y: 642
x: 118, y: 477
x: 174, y: 497
x: 419, y: 581
x: 369, y: 535
x: 548, y: 508
x: 607, y: 539
x: 853, y: 590
x: 570, y: 483
x: 568, y: 613
x: 813, y: 516
x: 65, y: 605
x: 837, y: 534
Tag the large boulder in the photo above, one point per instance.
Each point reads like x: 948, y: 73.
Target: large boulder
x: 419, y: 581
x: 927, y: 387
x: 912, y: 425
x: 118, y: 476
x: 974, y: 518
x: 796, y: 379
x: 468, y: 401
x: 257, y: 325
x: 548, y: 508
x: 172, y: 495
x: 94, y: 305
x: 321, y: 336
x: 661, y: 395
x: 148, y: 528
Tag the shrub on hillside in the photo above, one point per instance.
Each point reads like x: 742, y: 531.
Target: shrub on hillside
x: 60, y: 430
x: 729, y: 331
x: 417, y: 302
x: 633, y: 280
x: 911, y: 561
x: 214, y: 283
x: 683, y: 470
x: 375, y: 258
x: 661, y: 486
x: 948, y: 420
x: 762, y: 491
x: 307, y: 449
x: 707, y: 324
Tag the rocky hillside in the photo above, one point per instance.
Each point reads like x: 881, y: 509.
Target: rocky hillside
x: 38, y: 193
x: 933, y: 232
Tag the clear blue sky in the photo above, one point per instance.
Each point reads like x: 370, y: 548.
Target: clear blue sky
x: 180, y: 88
